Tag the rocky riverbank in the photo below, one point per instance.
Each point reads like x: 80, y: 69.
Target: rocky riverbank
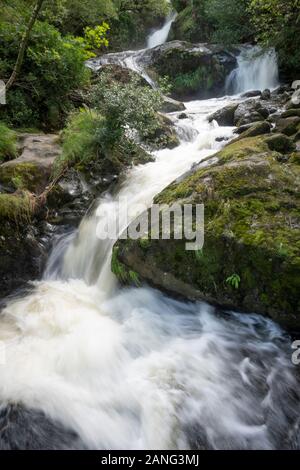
x: 251, y: 255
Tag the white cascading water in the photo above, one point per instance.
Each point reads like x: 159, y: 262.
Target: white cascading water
x: 161, y: 35
x: 257, y: 70
x: 132, y: 368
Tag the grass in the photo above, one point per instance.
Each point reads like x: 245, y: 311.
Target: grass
x: 79, y: 140
x: 17, y: 207
x: 8, y: 143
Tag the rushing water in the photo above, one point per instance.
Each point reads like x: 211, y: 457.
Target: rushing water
x: 257, y: 70
x: 161, y: 35
x: 132, y: 368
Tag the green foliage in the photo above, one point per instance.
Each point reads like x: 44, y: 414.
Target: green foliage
x: 8, y: 143
x: 96, y: 38
x: 130, y: 20
x: 17, y: 207
x: 193, y: 81
x: 230, y: 19
x: 53, y: 67
x: 79, y: 139
x: 277, y: 23
x: 128, y: 108
x: 234, y: 281
x: 134, y: 19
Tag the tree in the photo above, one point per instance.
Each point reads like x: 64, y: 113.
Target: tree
x: 277, y: 23
x: 23, y: 44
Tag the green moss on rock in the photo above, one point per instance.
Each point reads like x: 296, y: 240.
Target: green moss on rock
x: 252, y: 228
x: 28, y: 176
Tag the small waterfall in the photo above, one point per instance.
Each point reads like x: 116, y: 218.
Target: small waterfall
x: 132, y: 60
x: 160, y: 36
x: 257, y: 70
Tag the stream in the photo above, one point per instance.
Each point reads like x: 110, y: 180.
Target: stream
x: 131, y: 368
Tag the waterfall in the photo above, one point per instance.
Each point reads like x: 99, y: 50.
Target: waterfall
x: 132, y: 368
x: 257, y: 70
x: 160, y: 36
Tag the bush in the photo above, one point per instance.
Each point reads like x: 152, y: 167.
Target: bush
x: 53, y: 67
x: 128, y: 108
x: 79, y: 139
x: 231, y: 21
x: 277, y: 23
x: 8, y: 143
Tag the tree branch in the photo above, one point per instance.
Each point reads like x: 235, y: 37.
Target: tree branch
x: 23, y: 44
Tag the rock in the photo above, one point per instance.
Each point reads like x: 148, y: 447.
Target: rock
x: 30, y: 429
x: 250, y: 258
x: 32, y: 169
x: 21, y: 254
x: 172, y: 106
x: 248, y: 112
x: 290, y: 113
x: 280, y: 90
x: 251, y: 94
x: 182, y: 116
x: 221, y: 139
x: 288, y: 126
x: 193, y: 69
x: 241, y: 129
x: 266, y: 94
x: 259, y: 128
x: 294, y: 103
x: 224, y: 116
x: 280, y: 143
x: 117, y: 73
x: 296, y: 85
x: 164, y: 136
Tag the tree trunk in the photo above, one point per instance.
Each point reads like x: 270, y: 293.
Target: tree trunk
x: 23, y: 44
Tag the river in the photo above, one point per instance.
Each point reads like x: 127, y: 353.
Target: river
x: 132, y: 368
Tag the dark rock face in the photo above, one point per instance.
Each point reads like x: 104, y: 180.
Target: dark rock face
x: 252, y: 94
x: 250, y: 111
x: 193, y: 69
x: 22, y: 255
x: 224, y: 116
x: 258, y: 128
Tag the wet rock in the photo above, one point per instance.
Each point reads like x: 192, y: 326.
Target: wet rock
x: 294, y: 103
x: 266, y: 94
x: 288, y: 126
x: 29, y: 429
x: 248, y: 112
x: 295, y: 85
x: 224, y: 116
x: 251, y: 94
x: 256, y: 129
x: 280, y: 143
x: 164, y: 136
x: 290, y: 113
x: 182, y: 116
x: 172, y: 106
x: 241, y: 129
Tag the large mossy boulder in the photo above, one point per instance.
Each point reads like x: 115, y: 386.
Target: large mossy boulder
x: 192, y: 69
x: 250, y: 260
